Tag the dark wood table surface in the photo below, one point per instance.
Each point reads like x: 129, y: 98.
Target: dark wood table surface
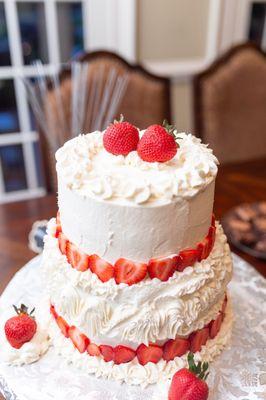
x: 245, y: 182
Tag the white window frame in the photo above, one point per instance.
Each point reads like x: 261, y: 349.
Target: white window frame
x: 119, y: 19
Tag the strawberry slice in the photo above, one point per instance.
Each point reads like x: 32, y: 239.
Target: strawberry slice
x: 93, y: 350
x: 79, y: 340
x: 58, y: 225
x: 188, y: 257
x: 213, y: 220
x: 129, y: 272
x: 162, y: 268
x: 63, y: 326
x: 107, y: 352
x: 175, y: 348
x: 211, y: 237
x: 101, y: 268
x: 62, y: 242
x: 75, y: 257
x: 203, y: 249
x: 123, y: 354
x: 215, y: 325
x: 198, y: 339
x: 53, y: 312
x: 152, y: 353
x: 224, y: 304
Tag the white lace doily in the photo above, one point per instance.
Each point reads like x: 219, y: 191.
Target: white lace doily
x: 239, y: 373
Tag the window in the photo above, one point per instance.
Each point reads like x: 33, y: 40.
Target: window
x: 4, y: 43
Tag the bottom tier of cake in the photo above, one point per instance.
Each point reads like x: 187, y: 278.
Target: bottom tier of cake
x: 132, y: 372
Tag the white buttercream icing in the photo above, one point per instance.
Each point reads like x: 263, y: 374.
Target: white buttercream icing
x: 133, y: 373
x: 88, y: 169
x: 145, y: 312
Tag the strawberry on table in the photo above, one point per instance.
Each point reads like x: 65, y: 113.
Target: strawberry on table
x: 158, y: 143
x: 75, y: 257
x: 152, y: 353
x: 21, y: 328
x: 79, y: 340
x: 121, y: 137
x: 107, y: 352
x: 123, y: 354
x: 198, y: 339
x: 162, y: 268
x: 175, y: 348
x: 101, y: 268
x: 189, y: 384
x: 127, y: 271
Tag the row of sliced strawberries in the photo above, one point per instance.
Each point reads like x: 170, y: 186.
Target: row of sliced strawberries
x: 152, y: 353
x: 130, y: 272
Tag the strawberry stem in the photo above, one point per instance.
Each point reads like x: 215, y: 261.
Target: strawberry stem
x: 199, y: 369
x: 23, y: 310
x: 121, y: 119
x: 171, y: 129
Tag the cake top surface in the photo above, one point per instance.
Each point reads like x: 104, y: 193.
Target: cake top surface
x: 89, y: 170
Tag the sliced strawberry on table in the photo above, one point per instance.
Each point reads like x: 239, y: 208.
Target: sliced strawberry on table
x: 129, y: 272
x: 63, y: 326
x: 162, y: 268
x: 215, y: 325
x: 187, y: 258
x: 62, y: 242
x: 107, y: 352
x: 123, y: 354
x: 101, y: 268
x: 79, y: 340
x: 93, y: 350
x: 75, y: 257
x: 198, y: 339
x: 152, y: 353
x: 175, y: 348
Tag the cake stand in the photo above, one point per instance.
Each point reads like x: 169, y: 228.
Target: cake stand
x: 239, y: 373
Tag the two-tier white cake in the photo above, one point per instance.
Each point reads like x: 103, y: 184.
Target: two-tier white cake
x: 135, y: 265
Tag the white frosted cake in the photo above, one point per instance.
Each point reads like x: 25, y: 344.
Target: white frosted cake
x: 135, y: 266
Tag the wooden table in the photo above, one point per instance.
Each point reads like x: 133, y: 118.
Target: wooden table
x: 235, y: 184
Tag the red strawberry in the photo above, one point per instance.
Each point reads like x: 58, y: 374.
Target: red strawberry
x: 215, y: 325
x: 121, y: 138
x: 21, y: 328
x: 79, y: 340
x: 198, y: 339
x: 203, y: 249
x: 53, y: 312
x: 189, y: 384
x: 75, y: 257
x: 129, y: 272
x: 123, y: 354
x: 62, y: 242
x: 157, y: 144
x: 93, y: 350
x: 107, y: 352
x: 63, y: 326
x: 162, y: 268
x: 151, y: 353
x: 213, y: 219
x: 224, y: 304
x: 188, y: 257
x: 175, y: 348
x: 58, y: 225
x: 101, y: 268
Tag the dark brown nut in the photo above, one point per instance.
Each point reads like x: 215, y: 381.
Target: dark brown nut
x: 248, y: 238
x: 262, y: 207
x: 260, y: 224
x: 237, y: 224
x: 246, y: 212
x: 261, y: 246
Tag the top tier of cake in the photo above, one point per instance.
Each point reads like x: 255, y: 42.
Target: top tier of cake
x: 122, y: 206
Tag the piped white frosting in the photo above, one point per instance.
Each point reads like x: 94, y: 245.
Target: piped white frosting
x: 88, y: 169
x: 133, y: 373
x: 145, y: 312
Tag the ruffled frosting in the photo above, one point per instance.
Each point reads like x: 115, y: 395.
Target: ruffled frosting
x: 133, y: 373
x: 145, y: 312
x: 88, y: 169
